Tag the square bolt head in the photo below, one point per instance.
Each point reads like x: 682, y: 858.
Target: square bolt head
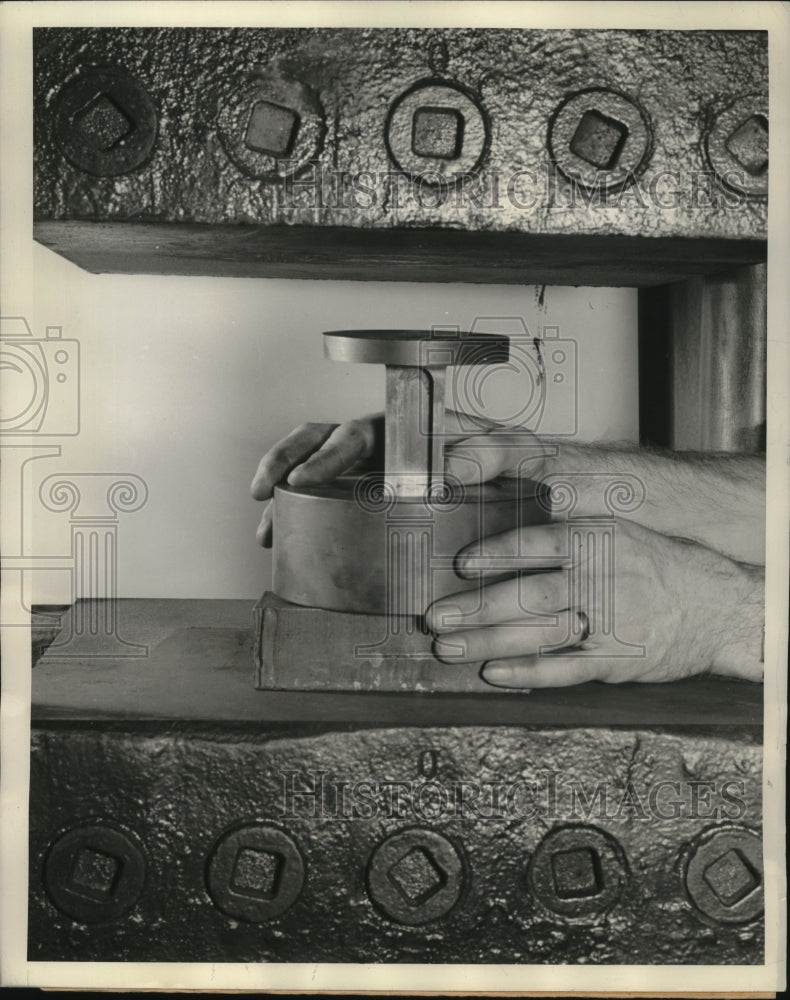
x: 271, y: 129
x: 437, y: 132
x: 93, y: 874
x: 256, y: 873
x: 748, y: 144
x: 599, y: 140
x: 731, y: 877
x: 577, y: 873
x: 102, y: 123
x: 417, y: 876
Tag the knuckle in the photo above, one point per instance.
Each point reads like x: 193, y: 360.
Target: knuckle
x: 291, y: 454
x: 487, y: 603
x: 272, y: 457
x: 357, y: 432
x: 312, y: 463
x: 319, y: 428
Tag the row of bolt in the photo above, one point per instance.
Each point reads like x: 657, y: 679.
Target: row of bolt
x: 95, y: 873
x: 105, y: 123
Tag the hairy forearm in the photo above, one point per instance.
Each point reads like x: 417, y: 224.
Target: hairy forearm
x: 715, y: 499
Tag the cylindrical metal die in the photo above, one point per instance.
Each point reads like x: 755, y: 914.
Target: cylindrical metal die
x: 353, y: 547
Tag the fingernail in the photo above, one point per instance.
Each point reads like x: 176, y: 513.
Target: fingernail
x: 502, y: 675
x: 465, y: 562
x: 445, y: 617
x: 449, y: 649
x: 467, y: 470
x: 497, y: 673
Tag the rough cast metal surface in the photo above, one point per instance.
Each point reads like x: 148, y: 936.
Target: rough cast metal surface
x: 723, y: 874
x: 105, y: 122
x: 94, y: 873
x: 439, y: 844
x: 415, y: 876
x: 256, y: 873
x: 165, y: 767
x: 168, y: 768
x: 353, y: 546
x: 657, y: 137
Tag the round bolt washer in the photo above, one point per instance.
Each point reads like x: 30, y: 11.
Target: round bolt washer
x: 636, y: 145
x: 713, y: 846
x: 244, y: 903
x: 724, y: 163
x: 439, y: 94
x: 77, y: 898
x: 291, y: 95
x: 437, y: 854
x: 129, y: 97
x: 597, y: 888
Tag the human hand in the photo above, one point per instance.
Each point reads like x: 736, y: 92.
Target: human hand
x: 476, y: 450
x: 663, y: 608
x: 315, y: 454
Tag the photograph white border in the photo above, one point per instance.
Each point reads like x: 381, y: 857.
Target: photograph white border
x: 16, y: 295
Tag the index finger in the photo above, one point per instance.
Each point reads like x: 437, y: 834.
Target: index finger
x: 286, y: 455
x: 537, y: 546
x: 348, y: 444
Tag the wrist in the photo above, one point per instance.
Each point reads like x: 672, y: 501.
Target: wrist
x: 562, y: 457
x: 739, y: 651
